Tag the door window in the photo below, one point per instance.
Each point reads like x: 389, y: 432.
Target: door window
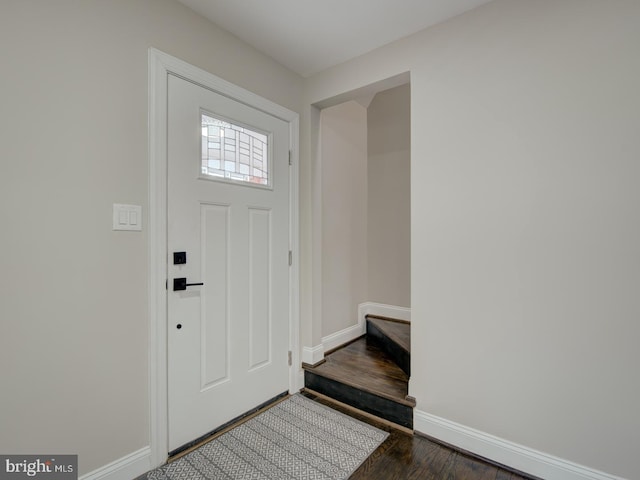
x: 234, y: 152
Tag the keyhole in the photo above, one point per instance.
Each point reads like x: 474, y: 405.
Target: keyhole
x: 179, y: 326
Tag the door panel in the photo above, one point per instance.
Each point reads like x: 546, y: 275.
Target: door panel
x: 228, y: 339
x: 214, y: 315
x: 259, y: 274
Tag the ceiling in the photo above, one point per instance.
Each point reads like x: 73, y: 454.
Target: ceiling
x: 308, y: 36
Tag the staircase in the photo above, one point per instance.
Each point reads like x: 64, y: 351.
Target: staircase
x: 371, y: 373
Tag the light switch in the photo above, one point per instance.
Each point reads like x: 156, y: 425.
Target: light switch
x: 127, y: 217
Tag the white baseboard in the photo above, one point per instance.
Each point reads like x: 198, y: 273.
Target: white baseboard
x: 312, y: 355
x: 368, y: 308
x: 391, y: 311
x: 507, y: 453
x: 343, y: 336
x: 125, y: 468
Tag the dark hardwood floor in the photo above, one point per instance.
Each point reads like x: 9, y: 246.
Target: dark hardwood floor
x: 365, y: 366
x: 406, y: 457
x: 393, y: 337
x: 363, y: 375
x: 398, y: 330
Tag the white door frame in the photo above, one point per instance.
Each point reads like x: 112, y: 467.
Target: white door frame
x: 160, y: 66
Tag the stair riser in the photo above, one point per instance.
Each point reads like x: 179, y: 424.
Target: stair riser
x: 391, y: 348
x: 381, y: 407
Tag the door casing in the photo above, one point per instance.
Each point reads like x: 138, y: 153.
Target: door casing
x: 160, y: 65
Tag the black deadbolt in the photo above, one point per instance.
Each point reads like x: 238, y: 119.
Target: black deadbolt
x: 179, y: 258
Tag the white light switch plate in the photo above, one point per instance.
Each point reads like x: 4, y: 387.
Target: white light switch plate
x: 127, y: 217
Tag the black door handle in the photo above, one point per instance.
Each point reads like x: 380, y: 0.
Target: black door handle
x: 181, y: 284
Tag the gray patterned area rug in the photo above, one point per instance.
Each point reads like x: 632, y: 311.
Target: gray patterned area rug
x: 297, y: 439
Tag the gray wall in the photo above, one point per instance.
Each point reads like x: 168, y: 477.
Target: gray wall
x: 524, y: 219
x: 388, y: 198
x: 524, y: 224
x: 365, y: 163
x: 344, y: 214
x: 73, y: 128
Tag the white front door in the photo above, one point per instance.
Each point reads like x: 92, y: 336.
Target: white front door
x: 228, y: 212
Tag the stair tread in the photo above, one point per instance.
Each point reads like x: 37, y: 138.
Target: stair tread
x: 399, y: 332
x: 365, y: 366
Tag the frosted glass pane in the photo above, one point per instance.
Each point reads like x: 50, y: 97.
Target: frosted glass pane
x: 244, y: 152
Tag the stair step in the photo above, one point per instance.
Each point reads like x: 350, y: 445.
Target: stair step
x: 364, y: 376
x: 393, y: 337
